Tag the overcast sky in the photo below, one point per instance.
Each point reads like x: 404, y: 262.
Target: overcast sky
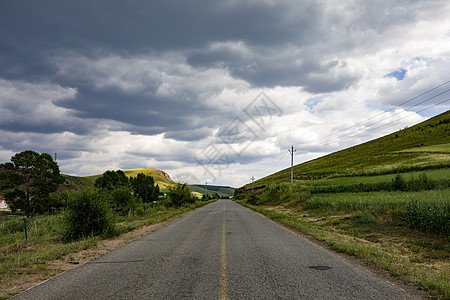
x: 214, y: 91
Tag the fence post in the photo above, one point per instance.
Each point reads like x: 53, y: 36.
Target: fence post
x: 25, y: 225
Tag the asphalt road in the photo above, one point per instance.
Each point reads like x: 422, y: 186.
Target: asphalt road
x: 220, y: 251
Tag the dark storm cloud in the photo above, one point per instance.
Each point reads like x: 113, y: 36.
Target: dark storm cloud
x: 266, y: 44
x: 33, y: 32
x: 189, y: 135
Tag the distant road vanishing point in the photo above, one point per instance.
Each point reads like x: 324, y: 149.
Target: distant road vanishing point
x: 220, y: 251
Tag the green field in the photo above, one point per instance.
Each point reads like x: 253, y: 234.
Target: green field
x: 436, y: 174
x: 443, y: 148
x: 386, y: 201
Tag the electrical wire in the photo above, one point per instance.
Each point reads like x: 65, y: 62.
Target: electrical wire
x: 397, y: 106
x: 351, y: 134
x: 273, y: 167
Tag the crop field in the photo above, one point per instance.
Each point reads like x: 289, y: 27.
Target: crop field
x: 443, y: 148
x: 403, y: 232
x: 437, y: 174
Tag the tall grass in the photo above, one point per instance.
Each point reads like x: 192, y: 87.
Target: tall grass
x: 427, y: 211
x: 12, y: 228
x: 276, y: 194
x: 429, y: 216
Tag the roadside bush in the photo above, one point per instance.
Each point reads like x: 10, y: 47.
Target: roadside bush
x: 179, y: 194
x: 239, y: 194
x: 87, y: 214
x: 121, y: 200
x: 253, y: 199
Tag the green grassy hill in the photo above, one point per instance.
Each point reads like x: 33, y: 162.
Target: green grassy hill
x: 425, y: 145
x: 161, y: 178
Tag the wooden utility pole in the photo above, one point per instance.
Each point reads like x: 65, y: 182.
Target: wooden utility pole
x: 292, y: 163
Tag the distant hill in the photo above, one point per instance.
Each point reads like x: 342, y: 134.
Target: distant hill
x: 222, y: 191
x: 425, y: 145
x: 161, y: 178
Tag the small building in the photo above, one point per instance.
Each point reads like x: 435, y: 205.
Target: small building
x: 3, y: 205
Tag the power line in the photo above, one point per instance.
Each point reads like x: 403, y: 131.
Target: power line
x: 338, y: 137
x: 273, y: 167
x: 355, y: 133
x: 410, y: 115
x: 384, y: 112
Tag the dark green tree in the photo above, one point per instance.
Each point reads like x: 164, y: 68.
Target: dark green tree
x: 111, y: 180
x: 122, y: 200
x: 179, y: 194
x: 144, y: 187
x: 28, y: 180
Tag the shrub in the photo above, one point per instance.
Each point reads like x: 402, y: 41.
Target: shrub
x: 179, y: 194
x: 398, y: 183
x: 87, y: 214
x: 253, y: 199
x: 239, y: 194
x: 121, y: 200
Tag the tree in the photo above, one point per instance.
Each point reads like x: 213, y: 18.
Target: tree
x: 121, y: 200
x: 180, y: 194
x: 29, y: 179
x: 144, y: 187
x: 111, y: 180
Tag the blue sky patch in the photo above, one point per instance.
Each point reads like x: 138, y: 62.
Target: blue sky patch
x: 398, y: 74
x: 311, y: 102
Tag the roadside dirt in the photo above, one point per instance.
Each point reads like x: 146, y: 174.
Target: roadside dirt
x: 73, y: 260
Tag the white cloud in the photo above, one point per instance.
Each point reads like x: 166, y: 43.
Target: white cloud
x: 30, y: 105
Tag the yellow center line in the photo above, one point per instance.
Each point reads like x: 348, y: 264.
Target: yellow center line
x: 223, y: 262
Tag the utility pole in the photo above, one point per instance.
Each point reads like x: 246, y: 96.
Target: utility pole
x: 253, y: 178
x: 292, y: 163
x: 206, y: 189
